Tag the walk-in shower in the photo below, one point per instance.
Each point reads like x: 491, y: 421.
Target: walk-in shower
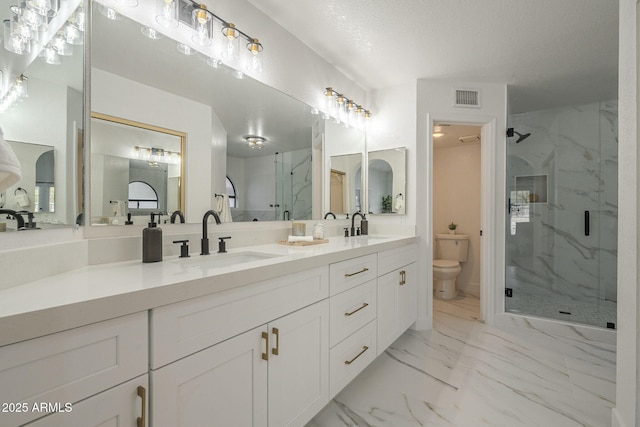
x: 561, y: 231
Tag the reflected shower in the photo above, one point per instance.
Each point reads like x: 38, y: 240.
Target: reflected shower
x: 521, y: 137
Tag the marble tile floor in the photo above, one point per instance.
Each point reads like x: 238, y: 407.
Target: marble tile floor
x: 464, y: 373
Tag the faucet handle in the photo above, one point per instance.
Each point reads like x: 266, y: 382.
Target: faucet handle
x: 222, y: 248
x: 184, y: 248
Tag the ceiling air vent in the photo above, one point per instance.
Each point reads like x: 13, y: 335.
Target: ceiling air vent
x: 466, y: 98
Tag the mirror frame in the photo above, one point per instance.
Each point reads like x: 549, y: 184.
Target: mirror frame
x: 181, y: 135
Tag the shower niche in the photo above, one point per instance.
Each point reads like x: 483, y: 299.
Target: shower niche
x: 532, y: 189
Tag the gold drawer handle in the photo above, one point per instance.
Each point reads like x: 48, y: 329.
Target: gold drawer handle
x: 403, y: 278
x: 142, y: 420
x: 349, y: 362
x: 357, y: 272
x: 265, y: 355
x: 276, y: 349
x: 364, y: 305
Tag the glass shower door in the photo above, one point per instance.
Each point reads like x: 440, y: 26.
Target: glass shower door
x: 562, y: 214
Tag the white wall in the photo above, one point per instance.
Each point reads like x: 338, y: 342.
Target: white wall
x: 456, y: 198
x: 155, y: 107
x: 627, y: 410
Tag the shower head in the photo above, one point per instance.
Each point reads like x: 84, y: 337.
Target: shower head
x: 521, y: 137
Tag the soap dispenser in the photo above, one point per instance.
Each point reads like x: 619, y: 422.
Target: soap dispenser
x: 152, y: 242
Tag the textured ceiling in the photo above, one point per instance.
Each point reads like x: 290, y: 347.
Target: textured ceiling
x: 549, y: 52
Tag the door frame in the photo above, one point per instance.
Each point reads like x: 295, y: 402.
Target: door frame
x: 492, y: 216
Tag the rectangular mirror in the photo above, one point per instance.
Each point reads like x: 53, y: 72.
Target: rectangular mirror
x: 136, y: 168
x: 47, y: 115
x: 387, y: 181
x: 246, y: 140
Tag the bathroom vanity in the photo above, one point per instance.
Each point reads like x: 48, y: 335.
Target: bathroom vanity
x: 265, y: 337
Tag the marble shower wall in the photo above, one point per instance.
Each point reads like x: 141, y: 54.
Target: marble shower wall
x: 575, y: 149
x: 293, y: 173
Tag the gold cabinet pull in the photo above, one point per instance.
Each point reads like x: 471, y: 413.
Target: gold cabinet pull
x: 357, y: 309
x: 276, y: 349
x: 142, y: 420
x: 403, y: 278
x: 349, y: 362
x: 357, y: 272
x: 265, y: 336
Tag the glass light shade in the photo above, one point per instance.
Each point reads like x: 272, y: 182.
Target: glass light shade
x: 42, y: 7
x: 63, y: 48
x: 330, y: 101
x: 73, y: 34
x: 167, y: 13
x: 79, y: 18
x: 51, y: 56
x: 150, y: 33
x: 254, y: 59
x: 230, y: 43
x: 13, y: 40
x: 31, y: 18
x: 214, y: 62
x: 22, y: 87
x: 202, y: 25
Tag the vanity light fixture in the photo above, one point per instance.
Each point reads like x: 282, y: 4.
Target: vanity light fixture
x: 156, y: 155
x: 255, y: 141
x: 228, y: 39
x: 343, y: 109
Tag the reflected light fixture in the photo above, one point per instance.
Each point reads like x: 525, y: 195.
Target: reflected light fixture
x: 255, y: 141
x: 17, y: 92
x: 341, y: 108
x: 167, y: 13
x: 150, y: 33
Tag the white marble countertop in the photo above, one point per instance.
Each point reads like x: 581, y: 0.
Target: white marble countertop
x: 99, y: 292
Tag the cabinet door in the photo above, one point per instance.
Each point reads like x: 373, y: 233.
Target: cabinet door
x: 299, y: 365
x: 388, y: 309
x: 223, y: 385
x: 408, y: 297
x: 120, y: 406
x: 397, y: 304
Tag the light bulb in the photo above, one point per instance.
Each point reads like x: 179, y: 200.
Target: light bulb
x: 230, y: 51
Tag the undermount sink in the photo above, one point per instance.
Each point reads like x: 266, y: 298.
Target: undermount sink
x: 222, y: 260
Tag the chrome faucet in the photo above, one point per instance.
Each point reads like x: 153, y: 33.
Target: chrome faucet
x: 177, y: 213
x: 329, y: 213
x: 16, y: 215
x: 353, y: 220
x: 204, y: 243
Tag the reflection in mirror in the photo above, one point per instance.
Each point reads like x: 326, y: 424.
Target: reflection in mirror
x: 387, y: 181
x: 346, y: 184
x: 225, y: 118
x: 35, y: 192
x: 49, y: 114
x: 343, y: 182
x: 135, y: 168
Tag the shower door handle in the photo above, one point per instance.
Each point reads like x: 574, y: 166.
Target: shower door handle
x: 586, y: 223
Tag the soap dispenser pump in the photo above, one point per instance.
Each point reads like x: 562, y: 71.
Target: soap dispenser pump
x: 152, y: 242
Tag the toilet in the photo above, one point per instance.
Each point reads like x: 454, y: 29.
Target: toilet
x: 451, y: 250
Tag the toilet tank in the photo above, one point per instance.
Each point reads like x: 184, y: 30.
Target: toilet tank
x: 454, y: 247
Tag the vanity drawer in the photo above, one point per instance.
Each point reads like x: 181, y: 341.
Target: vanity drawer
x: 181, y: 329
x: 350, y: 357
x: 351, y: 310
x: 69, y: 366
x: 352, y: 272
x: 393, y: 259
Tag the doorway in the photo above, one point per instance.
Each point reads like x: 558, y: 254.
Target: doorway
x: 456, y: 209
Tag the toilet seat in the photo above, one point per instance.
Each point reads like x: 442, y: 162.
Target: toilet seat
x: 445, y: 263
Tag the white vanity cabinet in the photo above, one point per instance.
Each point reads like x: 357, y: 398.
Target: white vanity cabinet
x: 122, y: 406
x: 397, y: 293
x: 55, y: 372
x: 275, y: 374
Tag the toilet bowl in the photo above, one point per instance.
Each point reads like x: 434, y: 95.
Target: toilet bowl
x: 450, y: 250
x: 445, y: 273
